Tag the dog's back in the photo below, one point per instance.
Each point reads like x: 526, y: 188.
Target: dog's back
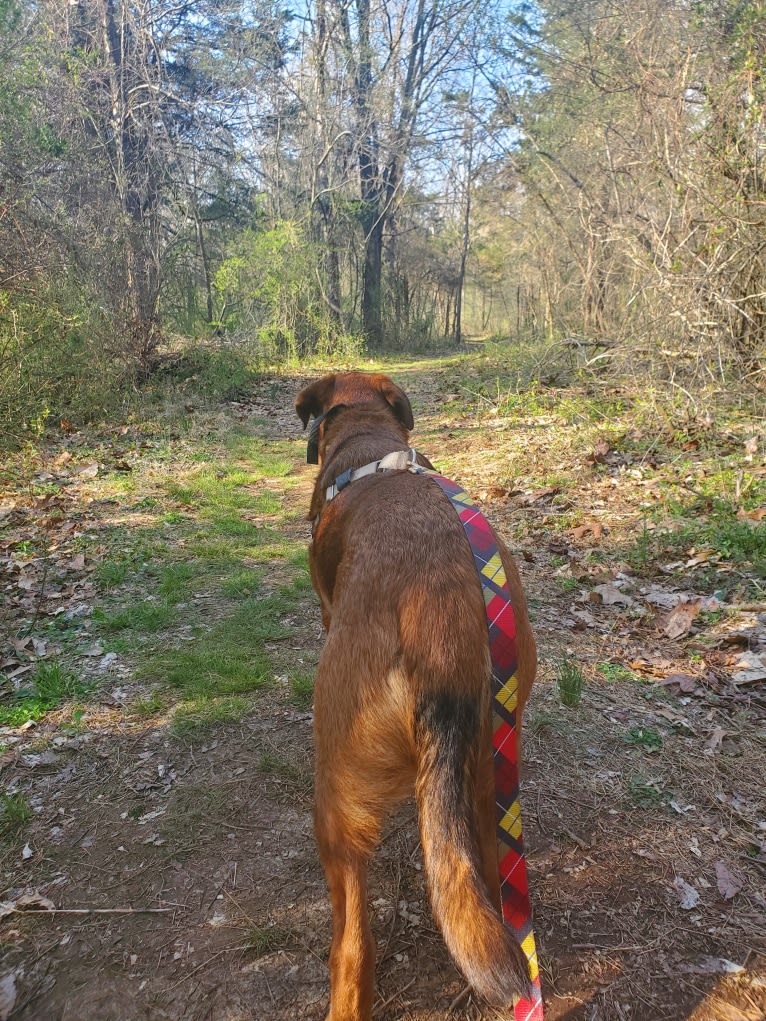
x: 402, y: 704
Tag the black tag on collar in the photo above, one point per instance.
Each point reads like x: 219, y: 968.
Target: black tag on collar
x: 312, y: 446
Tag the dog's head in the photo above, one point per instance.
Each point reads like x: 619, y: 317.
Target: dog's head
x: 341, y: 390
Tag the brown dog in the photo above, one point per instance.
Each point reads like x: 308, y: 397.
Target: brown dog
x: 402, y: 699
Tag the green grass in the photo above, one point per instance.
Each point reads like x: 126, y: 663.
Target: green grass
x: 236, y: 527
x: 174, y: 581
x: 570, y: 681
x: 262, y: 941
x: 49, y: 686
x: 301, y: 690
x: 148, y: 616
x: 645, y: 737
x: 712, y: 525
x: 242, y: 584
x: 151, y: 706
x: 229, y: 658
x: 225, y: 489
x: 15, y: 813
x: 112, y: 572
x: 645, y: 792
x: 616, y: 672
x: 196, y: 716
x: 211, y: 670
x: 275, y: 462
x: 295, y: 776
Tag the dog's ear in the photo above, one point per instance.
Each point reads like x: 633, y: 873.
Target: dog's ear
x: 397, y: 398
x: 313, y: 398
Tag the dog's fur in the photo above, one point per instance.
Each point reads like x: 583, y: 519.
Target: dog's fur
x: 402, y: 699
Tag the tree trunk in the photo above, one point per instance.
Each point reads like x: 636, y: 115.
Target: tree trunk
x: 372, y: 310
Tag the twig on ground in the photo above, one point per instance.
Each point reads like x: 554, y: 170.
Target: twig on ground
x: 91, y: 911
x: 459, y: 999
x: 393, y: 997
x: 573, y: 836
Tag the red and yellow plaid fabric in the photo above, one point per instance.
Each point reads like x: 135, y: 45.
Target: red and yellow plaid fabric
x: 501, y: 624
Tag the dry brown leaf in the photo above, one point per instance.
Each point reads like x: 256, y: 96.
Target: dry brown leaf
x: 680, y: 619
x: 685, y: 682
x: 609, y: 595
x: 715, y: 740
x: 728, y: 884
x: 600, y: 452
x: 594, y: 527
x: 757, y: 515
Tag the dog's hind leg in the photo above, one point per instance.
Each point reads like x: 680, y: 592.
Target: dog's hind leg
x: 347, y: 825
x: 352, y: 956
x: 363, y: 766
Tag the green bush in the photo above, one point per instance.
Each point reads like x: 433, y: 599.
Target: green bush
x: 54, y: 361
x: 268, y: 290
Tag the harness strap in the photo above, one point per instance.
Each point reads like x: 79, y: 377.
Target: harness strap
x: 501, y: 625
x: 397, y: 460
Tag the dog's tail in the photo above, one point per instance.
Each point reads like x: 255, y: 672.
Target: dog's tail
x: 448, y: 738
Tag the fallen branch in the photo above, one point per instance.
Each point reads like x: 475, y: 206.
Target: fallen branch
x: 394, y: 996
x: 459, y: 1000
x: 90, y: 911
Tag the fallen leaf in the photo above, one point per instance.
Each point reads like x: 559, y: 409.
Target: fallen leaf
x: 752, y: 669
x: 33, y: 900
x: 595, y: 528
x: 494, y: 493
x: 688, y: 896
x: 651, y: 663
x: 716, y: 739
x: 679, y: 621
x: 27, y: 852
x: 540, y: 494
x: 711, y: 966
x: 77, y: 563
x: 600, y: 452
x: 7, y: 995
x: 685, y: 682
x: 728, y: 884
x: 610, y: 595
x: 558, y: 546
x: 660, y: 597
x: 756, y: 515
x: 90, y: 471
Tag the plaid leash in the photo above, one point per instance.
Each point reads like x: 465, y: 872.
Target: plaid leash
x: 501, y: 624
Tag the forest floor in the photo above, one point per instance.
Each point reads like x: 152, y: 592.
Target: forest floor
x: 159, y: 638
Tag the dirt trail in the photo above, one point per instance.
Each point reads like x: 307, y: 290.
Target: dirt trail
x: 209, y: 842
